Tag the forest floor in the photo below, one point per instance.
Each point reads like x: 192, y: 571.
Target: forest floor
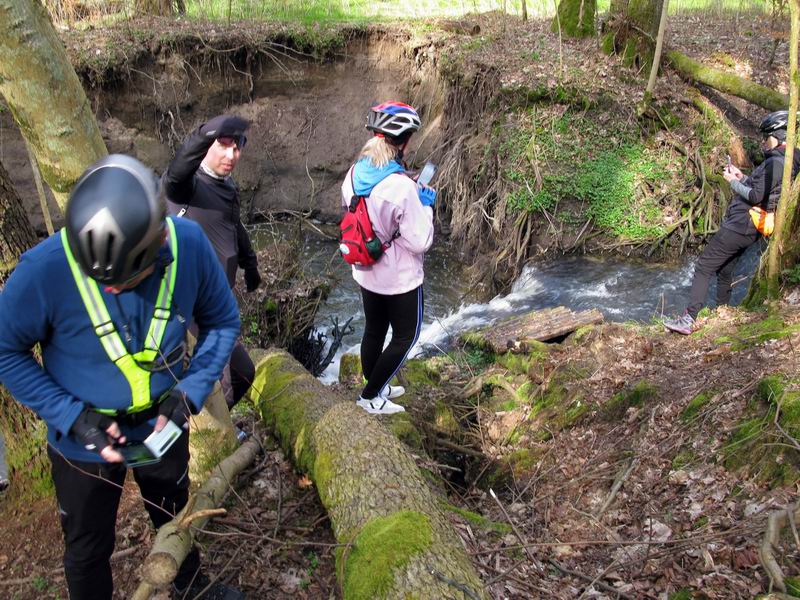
x: 680, y: 520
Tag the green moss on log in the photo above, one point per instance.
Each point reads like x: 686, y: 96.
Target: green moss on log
x: 402, y: 425
x: 381, y: 509
x: 727, y: 82
x: 350, y: 369
x: 383, y: 546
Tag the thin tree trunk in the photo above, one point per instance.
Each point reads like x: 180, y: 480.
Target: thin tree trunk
x: 398, y: 543
x: 524, y: 10
x: 662, y: 27
x: 45, y: 96
x: 782, y: 234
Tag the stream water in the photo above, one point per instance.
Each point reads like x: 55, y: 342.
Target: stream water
x: 623, y: 290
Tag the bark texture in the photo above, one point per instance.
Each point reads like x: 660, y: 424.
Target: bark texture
x: 398, y: 542
x: 575, y: 18
x: 727, y: 82
x: 45, y: 96
x: 632, y: 30
x: 16, y: 232
x: 23, y: 432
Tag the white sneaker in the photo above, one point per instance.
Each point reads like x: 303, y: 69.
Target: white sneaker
x: 380, y: 405
x: 394, y: 391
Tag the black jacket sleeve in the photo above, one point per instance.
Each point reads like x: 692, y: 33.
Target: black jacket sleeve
x: 765, y: 182
x: 179, y: 177
x: 247, y: 257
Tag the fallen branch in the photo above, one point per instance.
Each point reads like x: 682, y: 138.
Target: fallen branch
x: 621, y: 478
x: 727, y: 82
x: 174, y: 539
x: 777, y: 521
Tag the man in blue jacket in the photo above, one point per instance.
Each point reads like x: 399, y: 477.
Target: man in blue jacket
x: 108, y: 299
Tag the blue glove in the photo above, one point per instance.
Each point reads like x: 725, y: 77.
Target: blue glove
x: 427, y: 195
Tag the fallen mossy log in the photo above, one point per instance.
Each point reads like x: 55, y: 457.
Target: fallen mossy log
x: 174, y: 540
x: 727, y: 82
x: 397, y: 543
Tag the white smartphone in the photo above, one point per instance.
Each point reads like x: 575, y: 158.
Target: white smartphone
x: 426, y: 175
x: 159, y: 442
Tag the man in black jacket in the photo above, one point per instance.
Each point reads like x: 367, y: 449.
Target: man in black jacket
x: 737, y: 231
x: 199, y: 186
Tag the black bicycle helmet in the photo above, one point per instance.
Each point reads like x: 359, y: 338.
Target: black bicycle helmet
x: 115, y: 219
x: 394, y: 120
x: 775, y: 124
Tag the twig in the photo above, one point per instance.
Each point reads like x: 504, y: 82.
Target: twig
x: 201, y: 514
x: 519, y: 535
x: 776, y: 521
x: 600, y: 584
x: 616, y: 487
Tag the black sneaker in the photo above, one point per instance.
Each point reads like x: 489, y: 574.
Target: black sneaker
x: 200, y: 590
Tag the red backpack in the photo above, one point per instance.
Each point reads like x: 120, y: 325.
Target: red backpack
x: 358, y: 243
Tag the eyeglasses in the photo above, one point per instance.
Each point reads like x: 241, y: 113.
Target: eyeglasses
x: 228, y: 141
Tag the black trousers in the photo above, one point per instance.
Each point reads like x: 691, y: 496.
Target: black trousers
x: 88, y: 496
x: 242, y: 373
x: 718, y: 258
x: 404, y: 313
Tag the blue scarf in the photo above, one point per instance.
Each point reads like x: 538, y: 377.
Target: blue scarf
x: 366, y: 175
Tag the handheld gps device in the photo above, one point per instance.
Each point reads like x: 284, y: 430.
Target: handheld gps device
x: 149, y: 452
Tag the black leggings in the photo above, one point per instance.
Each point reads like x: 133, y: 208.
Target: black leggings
x: 404, y: 313
x: 718, y: 258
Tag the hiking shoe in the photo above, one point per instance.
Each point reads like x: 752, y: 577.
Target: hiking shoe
x: 394, y: 391
x: 684, y: 324
x: 216, y: 591
x: 380, y: 405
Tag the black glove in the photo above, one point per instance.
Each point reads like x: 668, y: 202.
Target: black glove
x: 252, y: 279
x: 225, y: 125
x: 177, y: 408
x: 90, y: 429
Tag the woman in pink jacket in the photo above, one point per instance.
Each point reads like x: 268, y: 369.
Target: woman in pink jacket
x: 402, y: 216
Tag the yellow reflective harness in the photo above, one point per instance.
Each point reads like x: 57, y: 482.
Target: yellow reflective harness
x: 137, y: 377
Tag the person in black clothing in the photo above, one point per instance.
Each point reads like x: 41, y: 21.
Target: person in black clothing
x: 199, y: 186
x: 737, y: 231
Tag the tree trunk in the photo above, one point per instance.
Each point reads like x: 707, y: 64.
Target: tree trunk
x: 398, y: 542
x: 782, y: 233
x: 45, y: 96
x: 727, y: 82
x: 575, y: 18
x: 632, y: 31
x: 16, y: 232
x: 662, y: 27
x: 23, y: 433
x: 159, y: 8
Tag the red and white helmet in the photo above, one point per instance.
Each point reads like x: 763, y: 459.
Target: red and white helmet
x: 393, y: 119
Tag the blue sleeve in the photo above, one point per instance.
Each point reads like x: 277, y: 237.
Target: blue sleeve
x: 217, y: 317
x: 24, y: 322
